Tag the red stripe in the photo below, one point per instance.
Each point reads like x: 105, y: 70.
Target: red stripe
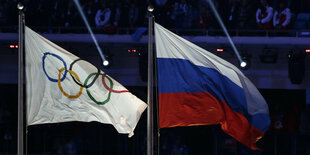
x: 188, y: 109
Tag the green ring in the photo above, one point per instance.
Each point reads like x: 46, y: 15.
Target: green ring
x: 89, y: 94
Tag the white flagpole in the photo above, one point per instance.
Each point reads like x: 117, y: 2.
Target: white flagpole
x: 150, y: 122
x: 20, y: 132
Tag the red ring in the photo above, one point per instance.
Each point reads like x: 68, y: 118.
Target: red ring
x: 111, y: 90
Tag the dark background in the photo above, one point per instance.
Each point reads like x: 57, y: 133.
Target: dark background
x: 289, y: 132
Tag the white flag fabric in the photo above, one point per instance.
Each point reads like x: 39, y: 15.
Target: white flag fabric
x: 61, y: 88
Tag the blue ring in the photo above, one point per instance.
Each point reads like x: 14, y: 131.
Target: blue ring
x: 43, y: 65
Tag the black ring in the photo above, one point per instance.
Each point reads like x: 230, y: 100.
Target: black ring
x: 78, y: 83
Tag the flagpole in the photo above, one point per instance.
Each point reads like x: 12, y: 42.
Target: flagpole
x: 20, y: 132
x: 150, y: 122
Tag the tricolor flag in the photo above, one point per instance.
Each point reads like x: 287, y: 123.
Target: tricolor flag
x: 199, y: 88
x: 61, y: 87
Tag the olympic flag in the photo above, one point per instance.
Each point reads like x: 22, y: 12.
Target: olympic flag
x: 61, y: 87
x: 199, y: 88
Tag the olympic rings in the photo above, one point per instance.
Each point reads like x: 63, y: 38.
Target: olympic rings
x: 76, y: 79
x: 78, y: 83
x: 43, y: 65
x: 89, y: 94
x: 61, y: 89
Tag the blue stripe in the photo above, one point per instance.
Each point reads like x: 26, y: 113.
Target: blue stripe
x: 179, y: 75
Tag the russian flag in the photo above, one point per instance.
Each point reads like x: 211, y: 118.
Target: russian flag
x: 198, y: 88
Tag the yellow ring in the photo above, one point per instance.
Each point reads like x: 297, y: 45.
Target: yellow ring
x: 60, y: 87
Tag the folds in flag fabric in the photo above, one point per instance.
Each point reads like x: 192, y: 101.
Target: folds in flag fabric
x: 199, y: 88
x: 61, y: 87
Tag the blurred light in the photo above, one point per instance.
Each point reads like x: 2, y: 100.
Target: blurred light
x: 13, y: 46
x: 132, y: 51
x: 243, y: 64
x: 150, y: 8
x: 307, y: 50
x: 106, y: 63
x: 219, y: 50
x: 289, y: 55
x: 20, y: 6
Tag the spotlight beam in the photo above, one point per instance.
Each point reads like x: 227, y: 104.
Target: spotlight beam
x: 77, y: 3
x: 225, y: 30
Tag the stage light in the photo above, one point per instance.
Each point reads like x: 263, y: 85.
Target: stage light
x: 20, y: 6
x: 307, y: 51
x: 150, y: 8
x: 77, y: 3
x: 243, y: 64
x: 219, y: 50
x: 132, y: 51
x: 246, y: 60
x: 106, y: 63
x: 289, y: 55
x: 13, y: 46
